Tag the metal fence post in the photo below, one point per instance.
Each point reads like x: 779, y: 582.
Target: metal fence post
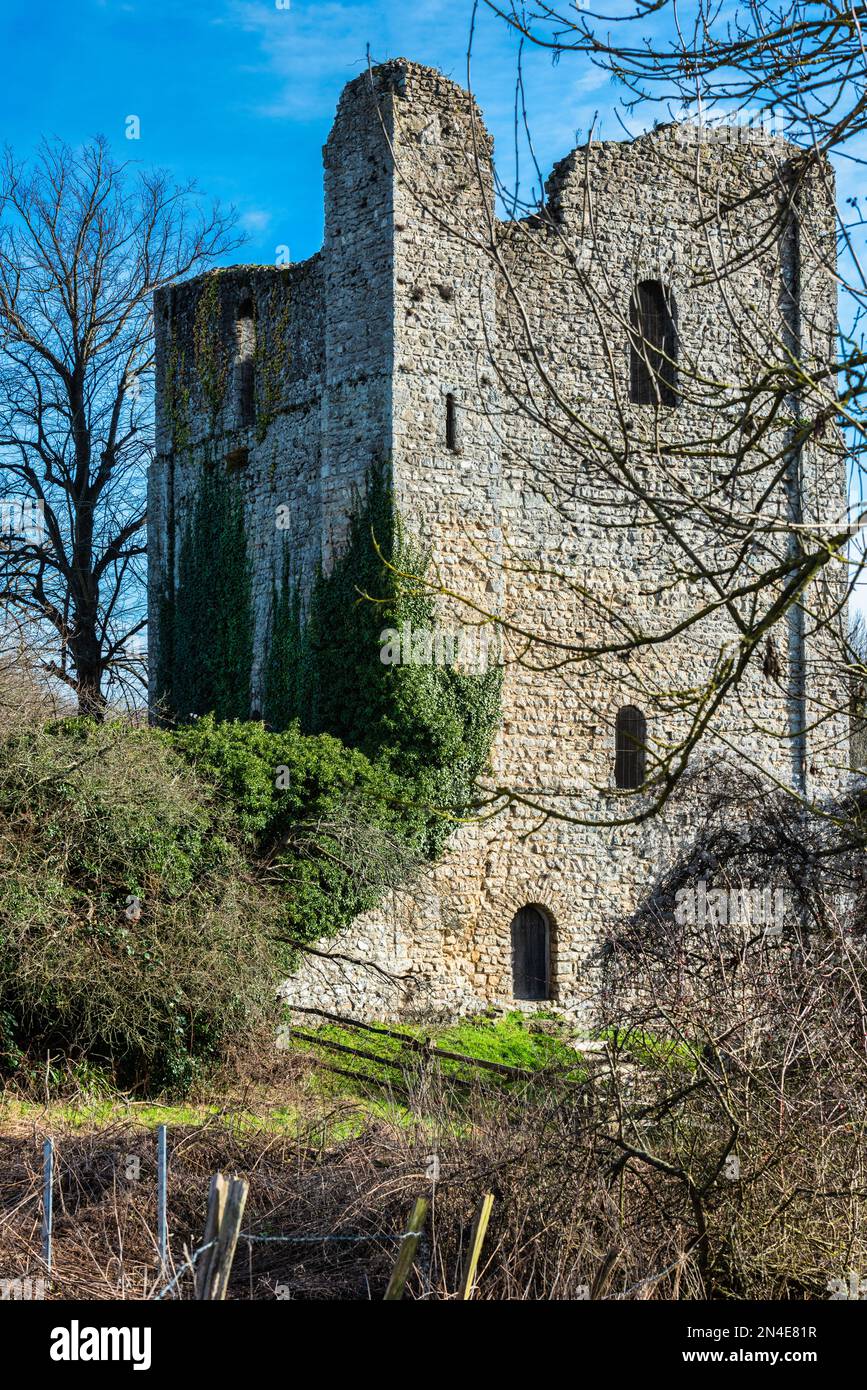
x: 47, y: 1200
x: 162, y: 1193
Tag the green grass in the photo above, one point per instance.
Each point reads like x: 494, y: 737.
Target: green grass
x: 306, y: 1119
x: 373, y: 1091
x: 99, y: 1114
x: 508, y: 1041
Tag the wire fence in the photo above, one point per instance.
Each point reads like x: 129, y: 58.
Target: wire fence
x: 175, y: 1282
x: 189, y: 1264
x: 46, y: 1196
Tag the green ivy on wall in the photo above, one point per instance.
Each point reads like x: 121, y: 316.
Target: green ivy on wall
x: 177, y: 399
x: 207, y: 644
x: 429, y: 725
x: 273, y: 355
x: 209, y: 350
x: 284, y: 696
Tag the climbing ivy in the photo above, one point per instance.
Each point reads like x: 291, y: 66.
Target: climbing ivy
x: 177, y: 399
x: 284, y: 695
x: 210, y: 359
x: 273, y: 355
x: 430, y: 725
x: 207, y: 644
x: 209, y: 350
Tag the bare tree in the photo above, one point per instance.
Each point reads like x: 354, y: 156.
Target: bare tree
x: 84, y: 242
x: 761, y: 994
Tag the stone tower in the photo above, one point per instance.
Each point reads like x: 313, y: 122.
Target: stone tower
x: 403, y: 340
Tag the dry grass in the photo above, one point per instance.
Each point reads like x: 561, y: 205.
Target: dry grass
x: 570, y: 1212
x: 25, y: 700
x: 339, y: 1165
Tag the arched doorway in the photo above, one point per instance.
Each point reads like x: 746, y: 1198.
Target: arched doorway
x: 531, y: 954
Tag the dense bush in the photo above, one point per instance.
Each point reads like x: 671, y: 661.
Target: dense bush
x: 153, y: 885
x: 122, y: 898
x: 325, y: 826
x: 430, y: 724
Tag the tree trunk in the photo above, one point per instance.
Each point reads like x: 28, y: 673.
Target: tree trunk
x: 91, y: 701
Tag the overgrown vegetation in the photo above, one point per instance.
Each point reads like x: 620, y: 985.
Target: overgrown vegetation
x: 429, y: 725
x: 206, y: 644
x: 396, y: 1057
x: 716, y: 1151
x: 209, y: 350
x: 321, y: 824
x: 155, y: 887
x: 130, y: 927
x: 158, y: 884
x: 618, y: 1186
x: 273, y: 355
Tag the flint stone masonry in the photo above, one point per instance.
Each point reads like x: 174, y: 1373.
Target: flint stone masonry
x: 419, y: 293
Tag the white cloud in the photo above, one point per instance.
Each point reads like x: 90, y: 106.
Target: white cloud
x: 308, y: 52
x: 311, y: 49
x: 255, y: 220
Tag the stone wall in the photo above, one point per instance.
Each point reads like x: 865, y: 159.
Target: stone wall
x: 274, y: 451
x: 420, y: 305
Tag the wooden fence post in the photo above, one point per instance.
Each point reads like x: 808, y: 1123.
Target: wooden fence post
x: 477, y: 1240
x: 216, y: 1206
x: 406, y: 1253
x: 604, y: 1275
x: 227, y: 1237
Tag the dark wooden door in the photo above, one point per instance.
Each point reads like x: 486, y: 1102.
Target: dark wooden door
x: 530, y: 955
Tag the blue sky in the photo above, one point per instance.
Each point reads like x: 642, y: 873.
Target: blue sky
x: 240, y: 94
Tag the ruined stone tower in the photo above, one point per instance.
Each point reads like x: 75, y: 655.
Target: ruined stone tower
x: 402, y: 341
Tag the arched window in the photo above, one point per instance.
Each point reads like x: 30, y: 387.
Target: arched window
x: 630, y: 747
x: 653, y: 346
x: 245, y: 356
x: 531, y: 955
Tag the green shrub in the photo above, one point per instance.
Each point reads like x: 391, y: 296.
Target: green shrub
x: 430, y: 725
x: 158, y: 884
x: 155, y: 886
x: 327, y: 826
x: 130, y: 926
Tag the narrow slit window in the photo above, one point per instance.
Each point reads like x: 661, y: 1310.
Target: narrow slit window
x: 630, y: 748
x: 451, y: 422
x: 531, y: 954
x: 245, y: 363
x: 653, y: 346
